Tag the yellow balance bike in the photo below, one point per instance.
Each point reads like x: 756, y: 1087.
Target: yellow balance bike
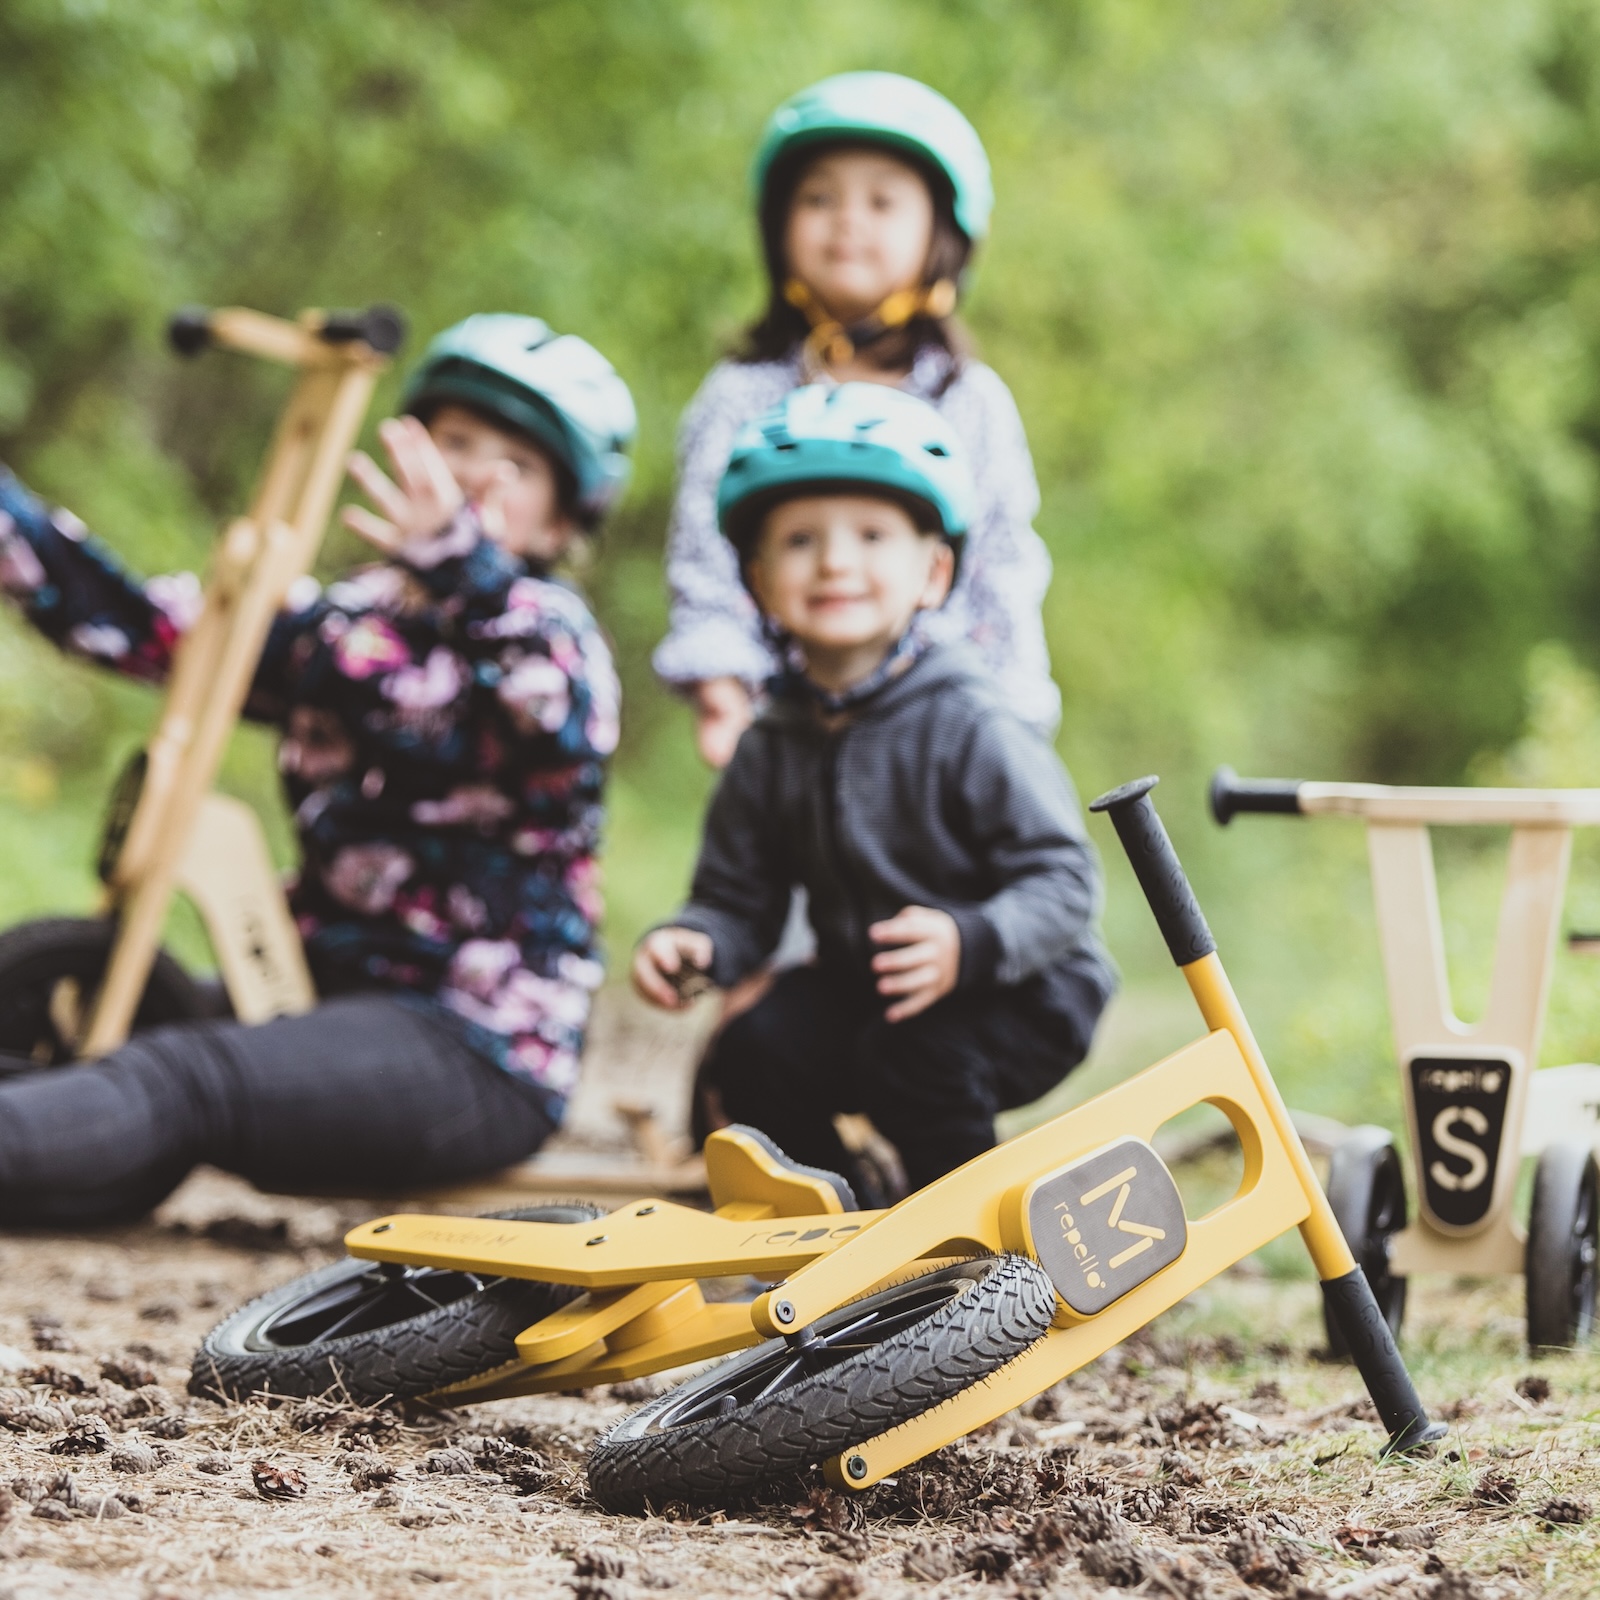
x: 888, y: 1333
x: 1475, y: 1107
x: 76, y: 987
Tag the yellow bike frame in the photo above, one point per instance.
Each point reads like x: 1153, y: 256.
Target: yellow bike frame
x: 1115, y: 1247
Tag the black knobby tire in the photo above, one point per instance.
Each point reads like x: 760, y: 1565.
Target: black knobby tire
x: 1367, y: 1193
x: 354, y: 1328
x: 50, y: 971
x: 790, y: 1403
x: 1560, y: 1258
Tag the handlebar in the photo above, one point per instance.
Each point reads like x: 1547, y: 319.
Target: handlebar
x: 189, y: 330
x: 1230, y: 794
x: 382, y: 328
x: 1155, y: 864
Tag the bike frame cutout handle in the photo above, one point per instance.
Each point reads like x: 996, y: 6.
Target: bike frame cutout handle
x: 1229, y: 794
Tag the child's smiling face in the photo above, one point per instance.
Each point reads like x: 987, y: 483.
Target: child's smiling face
x: 859, y: 228
x: 510, y: 478
x: 843, y: 575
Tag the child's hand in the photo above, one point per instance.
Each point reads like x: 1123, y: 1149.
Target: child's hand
x: 722, y: 706
x: 666, y: 964
x: 415, y: 509
x: 924, y: 964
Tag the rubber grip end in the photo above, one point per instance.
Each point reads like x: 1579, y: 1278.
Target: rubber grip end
x: 1370, y: 1341
x: 189, y: 330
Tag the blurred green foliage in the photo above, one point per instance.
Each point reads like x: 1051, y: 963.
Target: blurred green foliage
x: 1300, y: 299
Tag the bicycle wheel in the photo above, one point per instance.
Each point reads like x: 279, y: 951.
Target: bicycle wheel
x: 792, y: 1402
x: 375, y: 1330
x: 50, y: 972
x: 1559, y: 1259
x: 1367, y: 1191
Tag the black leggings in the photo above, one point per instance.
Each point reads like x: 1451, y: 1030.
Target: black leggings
x: 363, y: 1095
x: 816, y: 1044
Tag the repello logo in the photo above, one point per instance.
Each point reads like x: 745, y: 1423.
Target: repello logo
x: 1122, y: 1182
x: 1095, y: 1255
x: 1454, y: 1080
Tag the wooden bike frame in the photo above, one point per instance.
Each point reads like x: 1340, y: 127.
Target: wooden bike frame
x: 180, y: 835
x: 1432, y: 1044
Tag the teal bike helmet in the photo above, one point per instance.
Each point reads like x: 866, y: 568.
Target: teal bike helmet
x: 887, y: 109
x: 554, y: 387
x: 856, y: 437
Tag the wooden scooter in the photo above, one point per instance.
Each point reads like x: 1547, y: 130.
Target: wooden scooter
x: 1475, y: 1106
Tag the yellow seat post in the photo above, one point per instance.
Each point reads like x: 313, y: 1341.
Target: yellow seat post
x: 1189, y: 940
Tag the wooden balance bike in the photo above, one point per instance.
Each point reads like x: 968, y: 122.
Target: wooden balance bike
x: 889, y: 1333
x: 1475, y: 1107
x: 76, y: 987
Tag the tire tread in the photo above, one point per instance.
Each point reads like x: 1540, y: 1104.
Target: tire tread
x: 408, y: 1359
x: 949, y: 1351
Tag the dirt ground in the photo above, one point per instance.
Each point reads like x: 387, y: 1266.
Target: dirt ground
x: 1213, y: 1455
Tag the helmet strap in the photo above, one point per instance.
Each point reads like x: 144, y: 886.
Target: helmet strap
x: 831, y: 343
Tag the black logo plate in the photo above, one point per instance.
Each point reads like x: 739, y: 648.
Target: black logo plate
x: 1461, y: 1112
x: 1106, y: 1223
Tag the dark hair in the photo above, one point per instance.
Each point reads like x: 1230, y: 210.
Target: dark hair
x: 782, y: 326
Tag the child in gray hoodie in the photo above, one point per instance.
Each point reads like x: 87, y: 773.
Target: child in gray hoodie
x: 951, y: 886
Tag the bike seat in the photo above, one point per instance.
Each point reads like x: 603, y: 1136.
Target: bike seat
x: 744, y: 1166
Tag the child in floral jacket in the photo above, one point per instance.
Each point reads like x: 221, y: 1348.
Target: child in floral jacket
x: 446, y: 715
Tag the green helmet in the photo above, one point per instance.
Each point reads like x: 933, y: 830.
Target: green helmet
x: 554, y: 387
x: 854, y: 436
x: 900, y: 113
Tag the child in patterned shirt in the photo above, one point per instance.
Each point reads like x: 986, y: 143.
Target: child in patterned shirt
x: 446, y: 718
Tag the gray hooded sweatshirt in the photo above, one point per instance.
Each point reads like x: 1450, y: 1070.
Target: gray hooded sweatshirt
x: 928, y: 793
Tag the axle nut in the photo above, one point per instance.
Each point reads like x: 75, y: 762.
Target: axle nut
x: 855, y: 1467
x: 783, y: 1311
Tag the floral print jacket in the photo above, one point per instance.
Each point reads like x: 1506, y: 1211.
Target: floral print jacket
x: 446, y: 721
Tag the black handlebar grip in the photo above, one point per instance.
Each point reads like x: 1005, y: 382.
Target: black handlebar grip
x: 189, y: 330
x: 381, y: 328
x: 1230, y: 794
x: 1156, y: 866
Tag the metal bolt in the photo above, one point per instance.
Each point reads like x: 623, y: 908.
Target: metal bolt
x: 383, y: 1227
x: 855, y: 1467
x: 599, y: 1238
x: 644, y: 1211
x: 783, y: 1311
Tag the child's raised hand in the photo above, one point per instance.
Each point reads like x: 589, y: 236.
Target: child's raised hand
x: 924, y: 962
x: 415, y: 509
x: 667, y: 962
x: 722, y: 708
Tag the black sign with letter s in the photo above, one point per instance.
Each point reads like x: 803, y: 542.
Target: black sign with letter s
x: 1461, y: 1112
